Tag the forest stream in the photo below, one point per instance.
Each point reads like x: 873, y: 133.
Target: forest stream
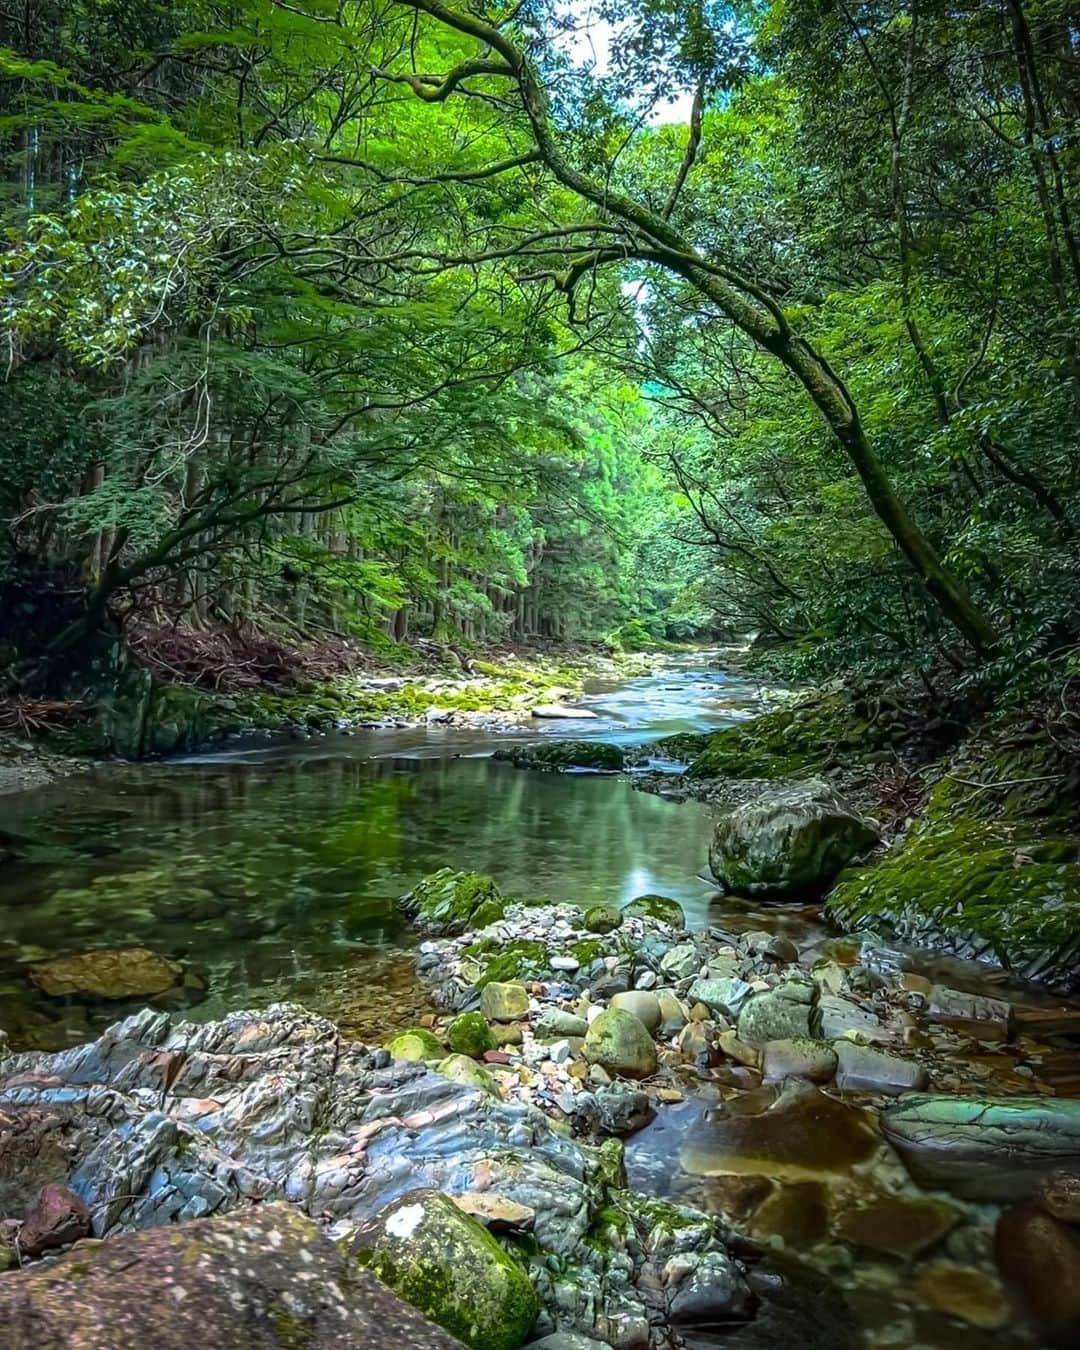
x: 271, y: 870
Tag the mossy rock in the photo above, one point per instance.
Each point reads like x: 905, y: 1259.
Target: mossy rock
x: 449, y: 1267
x: 996, y: 868
x: 524, y: 959
x: 469, y: 1034
x: 449, y: 901
x: 416, y: 1044
x: 601, y: 919
x: 659, y: 907
x: 461, y: 1069
x: 558, y: 756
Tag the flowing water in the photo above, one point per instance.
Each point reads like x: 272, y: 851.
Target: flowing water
x: 271, y: 870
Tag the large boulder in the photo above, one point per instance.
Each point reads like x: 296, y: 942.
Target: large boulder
x: 449, y: 1266
x: 619, y: 1043
x: 262, y: 1278
x: 120, y: 972
x: 791, y: 838
x: 984, y: 1148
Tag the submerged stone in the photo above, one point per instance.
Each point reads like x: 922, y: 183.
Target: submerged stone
x: 259, y: 1277
x: 449, y: 1267
x: 984, y: 1148
x: 898, y: 1225
x: 1039, y: 1256
x: 789, y: 838
x: 802, y: 1135
x: 121, y: 972
x: 962, y: 1292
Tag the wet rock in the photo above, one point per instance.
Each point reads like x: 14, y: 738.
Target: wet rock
x: 469, y: 1034
x: 449, y: 1267
x: 680, y: 962
x: 838, y: 1018
x: 798, y: 1057
x: 263, y: 1277
x: 987, y: 1019
x: 789, y: 838
x: 613, y: 1112
x: 113, y: 973
x: 1039, y: 1256
x: 773, y: 1017
x: 802, y: 1135
x: 643, y: 1004
x: 504, y: 1002
x: 659, y: 907
x: 862, y: 1069
x: 607, y: 986
x: 554, y: 1023
x: 964, y: 1293
x: 729, y: 1043
x: 416, y: 1045
x: 1059, y: 1195
x: 449, y: 901
x: 56, y: 1219
x: 797, y: 1213
x: 984, y: 1148
x: 898, y: 1225
x: 726, y: 996
x: 713, y: 1290
x: 461, y: 1069
x: 619, y: 1043
x: 558, y: 756
x: 601, y: 919
x: 735, y: 1196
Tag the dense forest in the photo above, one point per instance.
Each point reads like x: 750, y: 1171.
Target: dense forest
x: 396, y: 320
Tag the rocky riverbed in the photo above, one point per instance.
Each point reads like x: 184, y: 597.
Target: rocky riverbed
x: 810, y: 1138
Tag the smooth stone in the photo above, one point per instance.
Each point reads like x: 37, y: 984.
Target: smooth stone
x: 673, y: 1014
x: 646, y: 979
x: 554, y: 1023
x: 898, y: 1225
x: 772, y: 946
x: 787, y: 838
x: 557, y: 711
x: 772, y: 1017
x: 566, y: 963
x: 643, y: 1004
x: 264, y: 1276
x: 659, y: 907
x: 504, y: 1002
x: 1059, y: 1195
x: 735, y: 1196
x: 964, y: 1293
x: 838, y: 1018
x: 112, y: 973
x: 724, y: 995
x: 987, y: 1019
x: 619, y: 1043
x: 984, y: 1148
x: 862, y: 1069
x: 57, y: 1218
x: 496, y: 1212
x: 801, y: 1136
x: 694, y: 1044
x: 1039, y: 1256
x: 449, y: 1267
x: 798, y: 1057
x: 464, y: 1070
x: 798, y: 1213
x: 740, y: 1051
x: 417, y: 1044
x: 601, y: 919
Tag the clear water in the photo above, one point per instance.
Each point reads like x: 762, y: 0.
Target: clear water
x: 273, y: 870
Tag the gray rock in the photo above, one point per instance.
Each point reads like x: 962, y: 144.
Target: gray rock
x: 259, y: 1277
x: 788, y: 838
x: 711, y: 1291
x: 772, y: 1017
x: 643, y: 1004
x: 862, y: 1069
x: 990, y: 1019
x: 838, y: 1017
x: 985, y: 1148
x: 554, y: 1023
x: 798, y: 1058
x: 681, y: 962
x: 726, y: 996
x: 616, y: 1111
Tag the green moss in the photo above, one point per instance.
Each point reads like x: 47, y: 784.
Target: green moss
x: 523, y: 959
x: 415, y: 1044
x: 469, y: 1034
x: 999, y: 864
x: 557, y: 756
x: 586, y: 951
x: 659, y: 907
x: 449, y: 901
x: 601, y: 919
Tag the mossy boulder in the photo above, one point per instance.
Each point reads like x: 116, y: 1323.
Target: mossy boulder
x: 791, y: 838
x: 602, y: 919
x: 461, y: 1069
x: 659, y: 907
x: 987, y: 870
x: 559, y: 756
x: 618, y: 1041
x: 449, y: 901
x: 504, y: 1002
x: 505, y: 963
x: 469, y: 1034
x: 416, y: 1044
x: 449, y: 1267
